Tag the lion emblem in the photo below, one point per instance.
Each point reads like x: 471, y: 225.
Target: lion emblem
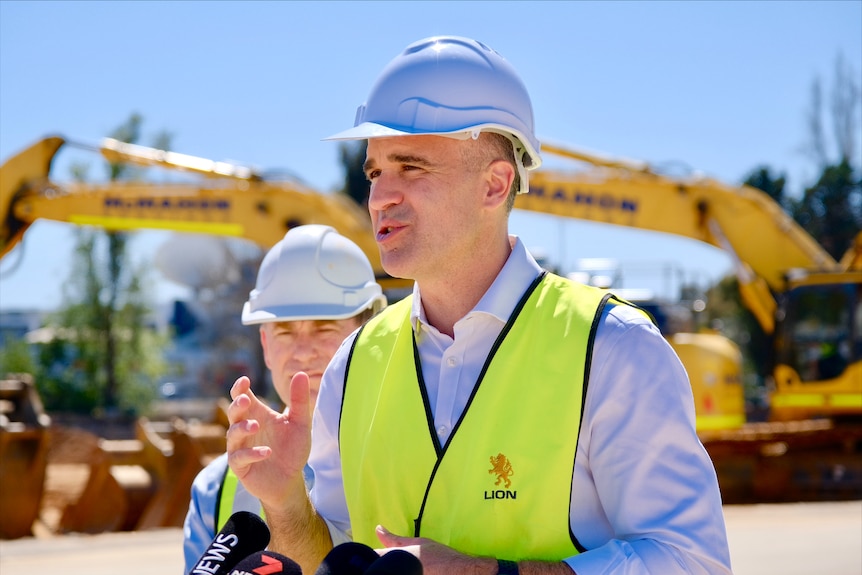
x: 502, y: 467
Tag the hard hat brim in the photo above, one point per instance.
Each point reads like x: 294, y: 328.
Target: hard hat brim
x: 311, y: 312
x: 367, y: 130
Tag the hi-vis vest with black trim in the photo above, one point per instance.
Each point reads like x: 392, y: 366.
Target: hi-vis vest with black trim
x: 501, y: 486
x: 226, y: 504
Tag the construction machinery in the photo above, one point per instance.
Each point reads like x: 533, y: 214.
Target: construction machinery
x: 799, y: 294
x: 24, y: 440
x: 811, y: 303
x: 231, y: 201
x: 235, y: 201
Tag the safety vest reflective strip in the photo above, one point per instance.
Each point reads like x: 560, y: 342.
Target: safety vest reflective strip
x: 501, y: 486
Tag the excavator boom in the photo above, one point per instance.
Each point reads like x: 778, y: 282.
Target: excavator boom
x: 769, y: 250
x: 231, y: 201
x: 763, y: 236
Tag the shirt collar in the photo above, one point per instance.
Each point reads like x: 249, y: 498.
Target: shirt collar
x: 500, y: 300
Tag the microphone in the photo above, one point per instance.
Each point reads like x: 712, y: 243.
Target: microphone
x: 243, y: 534
x: 349, y: 558
x: 266, y: 563
x: 395, y: 562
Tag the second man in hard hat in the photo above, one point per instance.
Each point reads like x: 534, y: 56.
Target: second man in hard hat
x: 314, y: 287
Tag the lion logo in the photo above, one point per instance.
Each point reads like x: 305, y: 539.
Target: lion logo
x: 502, y: 467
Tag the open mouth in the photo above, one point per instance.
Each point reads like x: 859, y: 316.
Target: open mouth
x: 385, y: 231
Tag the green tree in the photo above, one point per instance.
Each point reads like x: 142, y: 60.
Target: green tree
x: 15, y: 357
x: 352, y: 159
x: 774, y: 185
x: 103, y: 355
x: 831, y: 209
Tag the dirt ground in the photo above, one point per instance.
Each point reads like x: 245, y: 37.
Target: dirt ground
x: 787, y: 538
x: 110, y: 465
x: 777, y: 538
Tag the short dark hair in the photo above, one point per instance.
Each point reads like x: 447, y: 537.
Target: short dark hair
x: 495, y: 147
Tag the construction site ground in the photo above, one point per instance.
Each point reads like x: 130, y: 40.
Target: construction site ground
x: 793, y: 494
x: 786, y: 538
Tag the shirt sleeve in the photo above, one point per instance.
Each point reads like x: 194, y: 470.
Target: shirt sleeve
x: 327, y: 494
x: 646, y: 497
x: 199, y: 525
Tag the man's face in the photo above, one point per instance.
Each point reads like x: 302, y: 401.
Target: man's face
x: 293, y: 346
x: 425, y: 202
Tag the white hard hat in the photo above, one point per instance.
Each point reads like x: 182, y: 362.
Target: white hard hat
x: 450, y: 86
x: 312, y: 273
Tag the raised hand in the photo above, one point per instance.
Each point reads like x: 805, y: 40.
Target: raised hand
x: 267, y: 449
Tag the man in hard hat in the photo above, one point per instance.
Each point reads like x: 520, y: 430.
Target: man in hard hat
x: 314, y: 287
x: 502, y: 419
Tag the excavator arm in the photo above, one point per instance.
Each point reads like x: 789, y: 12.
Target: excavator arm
x: 761, y: 239
x: 796, y: 290
x: 230, y: 201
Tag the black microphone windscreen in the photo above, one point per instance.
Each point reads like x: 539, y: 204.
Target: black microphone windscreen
x: 267, y: 563
x: 349, y: 558
x: 395, y: 562
x: 243, y: 534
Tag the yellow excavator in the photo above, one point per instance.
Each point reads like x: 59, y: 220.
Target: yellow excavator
x: 811, y: 303
x: 233, y: 200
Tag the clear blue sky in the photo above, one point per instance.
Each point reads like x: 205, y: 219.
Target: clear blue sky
x: 720, y: 87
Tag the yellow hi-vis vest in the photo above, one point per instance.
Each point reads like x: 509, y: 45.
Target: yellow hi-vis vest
x: 226, y: 499
x: 501, y: 486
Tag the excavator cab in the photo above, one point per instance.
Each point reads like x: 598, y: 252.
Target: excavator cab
x: 819, y: 347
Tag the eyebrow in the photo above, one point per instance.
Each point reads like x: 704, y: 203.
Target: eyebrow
x: 399, y: 159
x: 289, y: 324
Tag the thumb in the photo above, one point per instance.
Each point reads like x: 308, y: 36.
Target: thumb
x: 389, y: 539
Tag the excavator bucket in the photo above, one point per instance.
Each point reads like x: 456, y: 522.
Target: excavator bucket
x: 24, y: 441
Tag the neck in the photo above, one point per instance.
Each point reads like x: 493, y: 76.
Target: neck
x: 449, y: 297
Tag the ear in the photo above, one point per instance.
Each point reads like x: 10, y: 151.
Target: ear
x: 499, y: 177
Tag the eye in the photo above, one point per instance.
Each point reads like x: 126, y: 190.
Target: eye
x: 371, y: 174
x: 282, y: 331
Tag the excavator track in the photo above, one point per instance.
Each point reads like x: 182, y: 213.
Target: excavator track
x: 775, y: 462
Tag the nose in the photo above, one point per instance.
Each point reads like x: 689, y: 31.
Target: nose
x: 304, y: 348
x: 385, y: 192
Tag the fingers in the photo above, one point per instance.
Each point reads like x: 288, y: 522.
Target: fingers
x: 241, y: 459
x: 241, y: 451
x: 389, y: 539
x: 240, y: 386
x: 244, y: 400
x: 300, y: 399
x: 241, y: 435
